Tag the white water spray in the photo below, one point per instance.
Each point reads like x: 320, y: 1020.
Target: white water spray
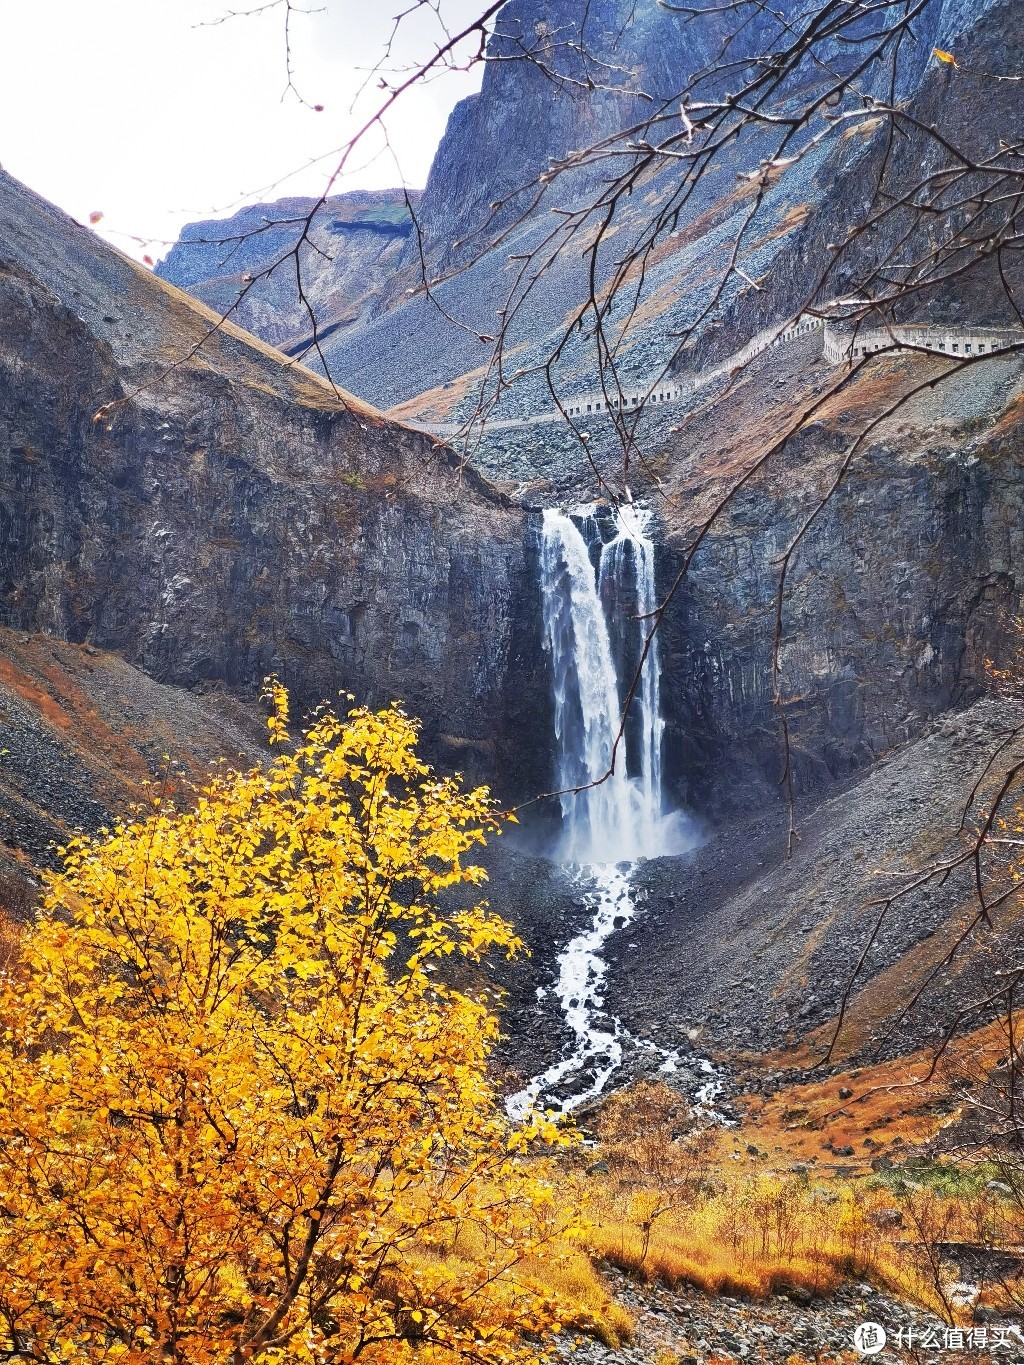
x: 612, y: 810
x: 599, y: 596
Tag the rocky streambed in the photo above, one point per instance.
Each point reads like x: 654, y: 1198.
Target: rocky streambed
x: 686, y: 1327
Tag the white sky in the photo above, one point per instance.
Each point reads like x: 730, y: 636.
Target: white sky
x: 152, y: 114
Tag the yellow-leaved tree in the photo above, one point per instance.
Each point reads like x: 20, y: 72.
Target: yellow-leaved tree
x: 242, y: 1115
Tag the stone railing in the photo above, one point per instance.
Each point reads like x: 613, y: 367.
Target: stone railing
x: 656, y: 391
x: 844, y: 343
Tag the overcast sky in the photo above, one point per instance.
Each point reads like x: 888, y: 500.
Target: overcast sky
x: 152, y: 113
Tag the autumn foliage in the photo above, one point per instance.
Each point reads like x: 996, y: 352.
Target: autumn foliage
x: 243, y: 1115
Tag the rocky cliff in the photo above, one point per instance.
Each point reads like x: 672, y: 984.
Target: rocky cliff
x: 565, y: 76
x: 904, y: 587
x: 244, y: 266
x: 83, y: 734
x: 906, y: 581
x: 911, y: 614
x: 232, y: 515
x: 238, y: 515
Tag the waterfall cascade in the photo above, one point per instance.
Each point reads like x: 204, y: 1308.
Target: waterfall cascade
x: 598, y: 587
x: 597, y: 619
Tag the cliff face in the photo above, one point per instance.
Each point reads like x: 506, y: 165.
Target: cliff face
x: 905, y: 583
x: 241, y: 265
x: 84, y: 732
x: 541, y: 100
x: 562, y: 75
x: 907, y: 579
x: 869, y: 666
x: 565, y: 76
x: 232, y: 515
x: 235, y: 515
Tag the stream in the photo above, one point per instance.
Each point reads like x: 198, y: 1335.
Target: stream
x: 597, y: 573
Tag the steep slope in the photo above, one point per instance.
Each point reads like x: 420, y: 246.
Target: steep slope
x: 754, y: 952
x: 272, y: 526
x: 242, y: 266
x: 83, y: 734
x: 565, y: 76
x: 492, y: 182
x: 232, y: 514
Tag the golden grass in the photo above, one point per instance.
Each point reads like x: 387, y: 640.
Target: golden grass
x: 563, y: 1272
x: 893, y: 1106
x: 759, y: 1235
x: 754, y: 1235
x: 574, y: 1280
x: 724, y: 1220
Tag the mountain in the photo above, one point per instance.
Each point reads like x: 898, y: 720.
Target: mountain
x: 187, y: 497
x: 564, y: 77
x: 352, y: 241
x: 84, y: 732
x: 234, y: 514
x: 945, y: 509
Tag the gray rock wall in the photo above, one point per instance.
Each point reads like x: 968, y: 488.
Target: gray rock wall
x: 907, y: 582
x: 244, y: 266
x: 234, y: 517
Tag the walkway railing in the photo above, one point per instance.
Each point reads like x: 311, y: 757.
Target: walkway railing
x: 840, y: 343
x: 843, y: 343
x: 656, y: 391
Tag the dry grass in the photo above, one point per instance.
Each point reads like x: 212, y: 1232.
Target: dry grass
x: 758, y: 1235
x: 574, y: 1280
x: 891, y: 1108
x: 670, y: 1198
x: 892, y: 1105
x: 565, y: 1275
x: 753, y: 1235
x: 739, y: 1225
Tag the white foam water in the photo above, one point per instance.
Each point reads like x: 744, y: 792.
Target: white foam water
x: 596, y: 575
x: 595, y: 1052
x: 612, y: 804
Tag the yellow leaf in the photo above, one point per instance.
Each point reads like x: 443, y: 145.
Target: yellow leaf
x: 209, y: 1034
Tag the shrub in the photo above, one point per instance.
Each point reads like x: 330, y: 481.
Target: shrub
x: 243, y: 1116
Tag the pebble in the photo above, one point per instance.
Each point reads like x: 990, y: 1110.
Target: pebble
x: 686, y: 1325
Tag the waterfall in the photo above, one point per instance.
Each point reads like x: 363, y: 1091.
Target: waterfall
x: 622, y: 818
x: 598, y: 589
